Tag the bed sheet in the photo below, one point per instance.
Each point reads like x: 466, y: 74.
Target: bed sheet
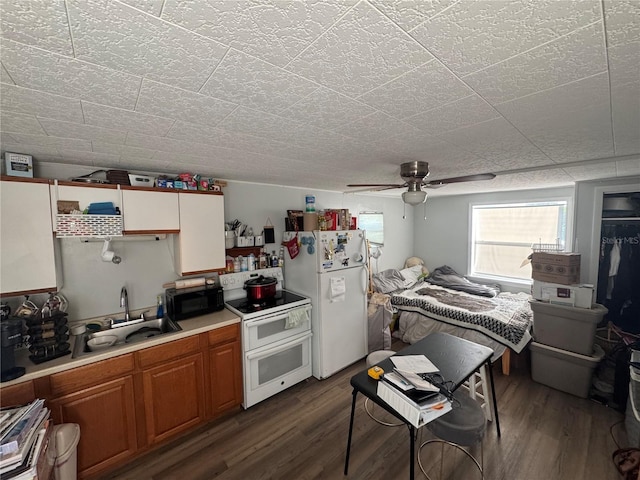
x: 505, y: 319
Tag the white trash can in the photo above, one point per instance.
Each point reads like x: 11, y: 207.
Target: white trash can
x: 66, y: 437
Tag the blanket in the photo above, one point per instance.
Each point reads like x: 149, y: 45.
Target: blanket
x: 446, y: 276
x: 506, y: 318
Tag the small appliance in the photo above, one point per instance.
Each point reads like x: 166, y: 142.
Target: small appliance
x: 184, y: 303
x: 11, y: 335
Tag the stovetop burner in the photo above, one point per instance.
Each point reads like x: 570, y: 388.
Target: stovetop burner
x: 282, y: 297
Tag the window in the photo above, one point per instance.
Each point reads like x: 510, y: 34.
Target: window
x: 502, y: 236
x: 373, y: 223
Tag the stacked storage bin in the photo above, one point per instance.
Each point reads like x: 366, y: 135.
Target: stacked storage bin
x: 563, y: 353
x: 632, y: 415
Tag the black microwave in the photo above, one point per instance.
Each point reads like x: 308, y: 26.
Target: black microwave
x: 183, y: 303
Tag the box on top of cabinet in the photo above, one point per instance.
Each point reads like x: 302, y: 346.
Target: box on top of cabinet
x: 563, y: 268
x: 19, y: 165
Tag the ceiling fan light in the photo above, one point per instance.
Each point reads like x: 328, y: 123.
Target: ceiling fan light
x: 414, y: 198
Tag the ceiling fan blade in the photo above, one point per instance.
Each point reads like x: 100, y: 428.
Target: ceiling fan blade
x: 387, y: 185
x: 466, y: 178
x: 375, y: 187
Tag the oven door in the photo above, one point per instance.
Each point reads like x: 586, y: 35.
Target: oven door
x: 274, y: 328
x: 276, y: 367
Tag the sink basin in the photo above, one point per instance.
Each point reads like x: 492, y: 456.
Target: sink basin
x: 130, y: 333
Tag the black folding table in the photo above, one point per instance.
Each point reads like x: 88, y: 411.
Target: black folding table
x: 456, y: 359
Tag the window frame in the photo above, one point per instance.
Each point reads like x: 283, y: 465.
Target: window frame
x: 569, y: 232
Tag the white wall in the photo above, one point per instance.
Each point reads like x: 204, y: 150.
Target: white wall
x: 443, y: 238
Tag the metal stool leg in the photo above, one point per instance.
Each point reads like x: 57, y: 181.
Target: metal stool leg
x: 443, y: 442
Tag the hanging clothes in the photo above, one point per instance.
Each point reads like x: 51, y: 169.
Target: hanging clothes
x: 619, y: 274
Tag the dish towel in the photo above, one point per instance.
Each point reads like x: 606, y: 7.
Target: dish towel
x: 297, y: 317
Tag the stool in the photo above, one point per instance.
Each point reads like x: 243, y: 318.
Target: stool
x: 373, y: 359
x: 464, y: 426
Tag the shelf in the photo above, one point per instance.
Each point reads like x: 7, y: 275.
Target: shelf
x: 244, y: 251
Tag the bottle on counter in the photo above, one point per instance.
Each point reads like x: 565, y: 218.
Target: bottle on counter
x: 274, y: 259
x: 281, y: 257
x: 160, y: 308
x: 243, y: 263
x: 251, y: 262
x: 262, y: 262
x: 236, y: 265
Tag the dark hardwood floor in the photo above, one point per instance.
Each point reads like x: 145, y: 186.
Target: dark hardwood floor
x: 302, y: 434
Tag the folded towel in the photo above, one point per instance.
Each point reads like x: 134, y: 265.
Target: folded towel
x: 297, y: 317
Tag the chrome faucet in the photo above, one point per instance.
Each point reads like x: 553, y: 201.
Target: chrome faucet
x: 124, y: 302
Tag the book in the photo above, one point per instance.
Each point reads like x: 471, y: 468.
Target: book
x: 417, y: 414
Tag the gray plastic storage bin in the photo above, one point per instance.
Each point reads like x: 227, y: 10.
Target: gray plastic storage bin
x: 567, y: 328
x: 67, y: 436
x: 564, y: 370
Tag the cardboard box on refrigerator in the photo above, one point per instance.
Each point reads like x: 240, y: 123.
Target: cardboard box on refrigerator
x: 578, y: 295
x: 563, y: 268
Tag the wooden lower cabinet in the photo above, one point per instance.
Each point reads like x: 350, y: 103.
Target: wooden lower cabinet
x: 126, y: 405
x: 17, y: 394
x: 225, y: 369
x: 174, y: 397
x: 107, y: 420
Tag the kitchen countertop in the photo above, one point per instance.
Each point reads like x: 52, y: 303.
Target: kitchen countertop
x: 190, y: 327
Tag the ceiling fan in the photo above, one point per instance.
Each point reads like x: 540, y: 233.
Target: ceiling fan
x: 414, y: 174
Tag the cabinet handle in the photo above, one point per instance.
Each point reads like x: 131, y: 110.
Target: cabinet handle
x: 281, y: 348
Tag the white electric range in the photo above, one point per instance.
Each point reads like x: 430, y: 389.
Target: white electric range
x: 276, y: 335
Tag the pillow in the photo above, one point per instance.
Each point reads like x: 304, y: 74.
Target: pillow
x: 388, y: 281
x: 411, y: 275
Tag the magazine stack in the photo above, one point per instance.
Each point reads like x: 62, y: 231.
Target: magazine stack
x: 25, y: 453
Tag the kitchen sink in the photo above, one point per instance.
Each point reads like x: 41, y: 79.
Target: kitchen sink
x: 132, y: 332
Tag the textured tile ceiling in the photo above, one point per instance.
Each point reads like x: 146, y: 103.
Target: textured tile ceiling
x: 322, y: 93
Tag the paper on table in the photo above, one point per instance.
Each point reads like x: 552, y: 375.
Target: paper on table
x: 414, y: 363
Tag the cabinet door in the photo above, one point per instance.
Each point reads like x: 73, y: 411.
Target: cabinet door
x: 106, y: 416
x: 174, y: 398
x: 199, y: 247
x: 225, y: 370
x: 150, y: 212
x: 27, y: 257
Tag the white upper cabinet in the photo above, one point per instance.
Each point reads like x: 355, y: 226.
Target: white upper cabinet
x: 148, y: 211
x: 199, y: 247
x: 27, y: 256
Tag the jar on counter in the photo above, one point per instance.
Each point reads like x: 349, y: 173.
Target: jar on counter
x: 236, y: 265
x: 251, y: 262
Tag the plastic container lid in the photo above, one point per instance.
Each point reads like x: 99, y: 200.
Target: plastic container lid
x: 67, y: 436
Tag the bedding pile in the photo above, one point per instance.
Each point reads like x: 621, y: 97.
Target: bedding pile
x: 506, y: 318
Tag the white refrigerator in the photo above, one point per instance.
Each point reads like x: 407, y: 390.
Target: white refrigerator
x: 331, y: 270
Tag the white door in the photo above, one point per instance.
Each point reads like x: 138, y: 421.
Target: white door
x: 340, y: 333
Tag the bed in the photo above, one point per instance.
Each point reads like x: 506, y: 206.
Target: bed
x: 447, y: 302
